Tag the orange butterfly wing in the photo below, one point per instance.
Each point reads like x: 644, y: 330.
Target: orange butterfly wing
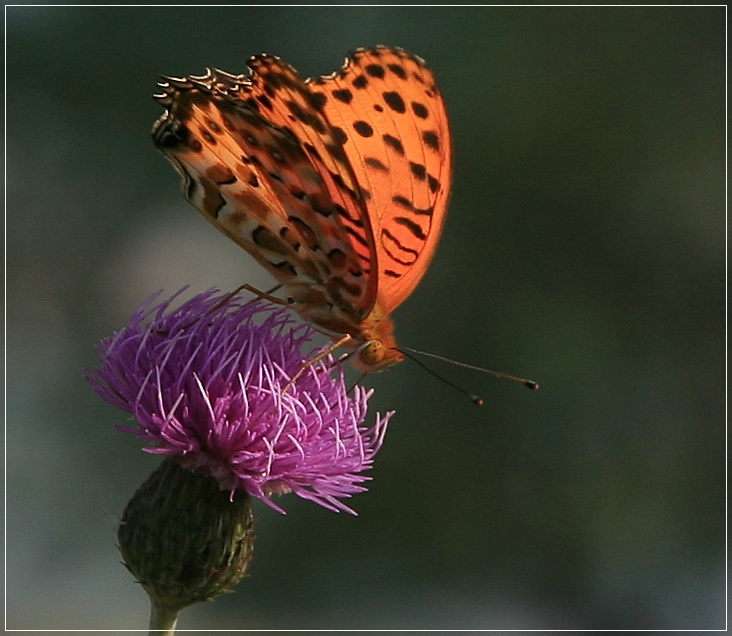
x: 337, y: 185
x: 283, y: 99
x: 386, y: 108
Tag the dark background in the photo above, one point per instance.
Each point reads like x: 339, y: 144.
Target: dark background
x: 584, y: 248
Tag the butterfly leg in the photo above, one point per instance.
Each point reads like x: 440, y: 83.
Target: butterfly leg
x: 245, y: 287
x: 257, y: 292
x: 264, y: 295
x: 309, y: 363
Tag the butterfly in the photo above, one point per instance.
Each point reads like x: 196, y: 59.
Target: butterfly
x: 337, y: 185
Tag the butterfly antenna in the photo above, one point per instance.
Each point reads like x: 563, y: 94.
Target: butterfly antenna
x: 530, y: 384
x: 476, y: 399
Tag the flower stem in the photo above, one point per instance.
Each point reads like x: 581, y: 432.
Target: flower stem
x: 162, y: 619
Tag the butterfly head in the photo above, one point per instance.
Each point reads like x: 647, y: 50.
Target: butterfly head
x: 374, y: 355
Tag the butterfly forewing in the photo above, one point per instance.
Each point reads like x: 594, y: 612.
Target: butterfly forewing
x: 386, y: 108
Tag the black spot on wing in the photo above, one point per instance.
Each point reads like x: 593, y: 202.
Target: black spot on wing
x: 375, y: 70
x: 343, y: 95
x: 395, y: 144
x: 420, y: 110
x: 363, y: 128
x: 431, y: 140
x: 376, y: 164
x: 398, y: 70
x: 394, y: 101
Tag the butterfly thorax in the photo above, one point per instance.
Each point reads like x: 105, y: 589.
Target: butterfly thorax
x: 372, y: 337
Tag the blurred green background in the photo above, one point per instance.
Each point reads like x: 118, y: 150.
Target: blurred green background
x: 585, y: 248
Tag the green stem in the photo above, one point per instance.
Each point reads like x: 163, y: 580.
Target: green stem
x: 162, y: 620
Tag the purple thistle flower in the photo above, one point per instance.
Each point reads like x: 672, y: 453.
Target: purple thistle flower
x: 206, y: 383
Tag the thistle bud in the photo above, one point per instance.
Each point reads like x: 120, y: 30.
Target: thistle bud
x: 184, y: 539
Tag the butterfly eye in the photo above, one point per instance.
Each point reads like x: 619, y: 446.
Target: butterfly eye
x: 371, y: 354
